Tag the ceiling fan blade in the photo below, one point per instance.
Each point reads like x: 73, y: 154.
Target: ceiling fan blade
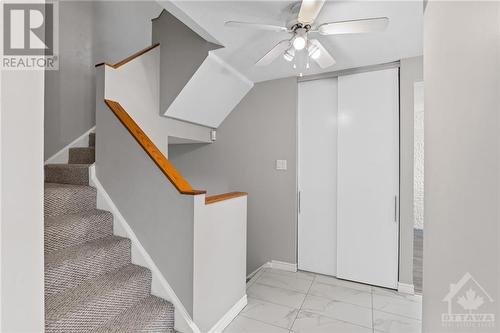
x: 309, y: 10
x: 354, y: 26
x: 323, y: 59
x: 260, y: 26
x: 274, y: 53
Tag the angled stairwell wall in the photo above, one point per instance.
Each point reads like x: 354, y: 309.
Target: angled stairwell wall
x: 196, y: 85
x: 183, y: 51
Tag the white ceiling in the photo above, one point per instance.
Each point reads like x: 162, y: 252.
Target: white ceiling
x: 243, y: 47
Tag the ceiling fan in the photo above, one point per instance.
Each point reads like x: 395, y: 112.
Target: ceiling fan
x: 303, y: 26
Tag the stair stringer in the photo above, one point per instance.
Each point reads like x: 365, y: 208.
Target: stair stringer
x: 159, y: 285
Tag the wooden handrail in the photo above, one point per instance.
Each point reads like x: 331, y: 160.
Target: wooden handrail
x: 168, y: 169
x: 156, y: 155
x: 221, y: 197
x: 128, y: 59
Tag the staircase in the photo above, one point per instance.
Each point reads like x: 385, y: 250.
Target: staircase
x: 90, y: 283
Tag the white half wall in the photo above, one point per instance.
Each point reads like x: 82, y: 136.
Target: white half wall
x: 220, y: 244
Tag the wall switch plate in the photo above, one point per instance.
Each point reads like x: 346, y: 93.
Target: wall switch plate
x: 281, y: 165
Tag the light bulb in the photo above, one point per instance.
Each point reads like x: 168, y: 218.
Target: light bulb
x: 300, y: 40
x: 299, y: 43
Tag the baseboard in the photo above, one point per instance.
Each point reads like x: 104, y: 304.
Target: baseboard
x: 275, y: 264
x: 284, y: 266
x: 251, y: 275
x: 62, y: 155
x: 229, y: 316
x: 159, y: 286
x: 406, y: 288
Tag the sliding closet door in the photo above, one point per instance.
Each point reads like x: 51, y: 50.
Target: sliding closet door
x: 368, y: 178
x: 317, y: 107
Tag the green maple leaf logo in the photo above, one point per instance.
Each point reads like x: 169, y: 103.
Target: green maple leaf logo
x: 470, y: 301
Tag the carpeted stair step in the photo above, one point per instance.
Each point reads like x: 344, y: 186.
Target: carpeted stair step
x: 68, y: 199
x: 62, y: 231
x: 92, y: 140
x: 77, y: 174
x: 71, y: 266
x: 96, y: 301
x: 152, y: 314
x: 81, y: 155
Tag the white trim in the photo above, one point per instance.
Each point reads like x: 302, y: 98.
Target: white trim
x: 251, y: 275
x: 62, y: 155
x: 406, y: 288
x: 274, y: 264
x: 229, y: 316
x: 159, y: 287
x: 284, y: 266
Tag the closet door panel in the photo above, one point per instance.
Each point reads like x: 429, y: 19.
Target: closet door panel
x: 317, y: 127
x: 368, y: 178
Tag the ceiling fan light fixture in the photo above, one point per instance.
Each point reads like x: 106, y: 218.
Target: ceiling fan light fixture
x: 300, y: 40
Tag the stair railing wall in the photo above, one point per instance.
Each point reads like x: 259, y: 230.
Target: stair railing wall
x: 160, y: 217
x: 197, y: 242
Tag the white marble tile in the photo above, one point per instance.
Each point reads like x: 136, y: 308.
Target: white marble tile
x: 351, y: 313
x: 339, y: 293
x: 246, y: 325
x: 270, y: 313
x: 390, y: 323
x: 342, y: 283
x: 285, y: 281
x: 276, y: 295
x: 312, y: 322
x: 299, y: 274
x: 397, y: 303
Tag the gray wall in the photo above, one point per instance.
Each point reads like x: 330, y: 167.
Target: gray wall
x: 461, y: 73
x: 161, y: 218
x: 21, y: 213
x: 70, y: 91
x: 90, y: 32
x: 182, y: 52
x: 411, y: 71
x: 261, y: 129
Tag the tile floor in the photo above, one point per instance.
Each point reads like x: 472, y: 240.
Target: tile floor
x: 280, y: 301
